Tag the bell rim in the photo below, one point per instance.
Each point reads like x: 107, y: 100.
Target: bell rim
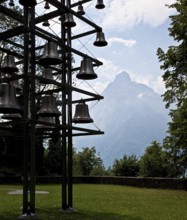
x: 48, y: 114
x: 9, y: 69
x: 82, y: 121
x: 8, y: 109
x: 100, y: 44
x: 29, y: 4
x: 46, y: 61
x: 86, y: 76
x: 100, y: 6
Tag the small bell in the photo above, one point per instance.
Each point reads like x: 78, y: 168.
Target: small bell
x: 49, y: 107
x: 100, y: 4
x: 82, y: 114
x: 9, y: 65
x: 69, y: 21
x: 47, y: 74
x: 46, y: 23
x: 86, y: 71
x: 46, y: 6
x: 28, y: 3
x: 80, y: 10
x: 100, y: 40
x: 50, y: 55
x: 11, y: 3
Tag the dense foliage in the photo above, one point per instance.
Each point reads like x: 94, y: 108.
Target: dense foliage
x: 174, y: 64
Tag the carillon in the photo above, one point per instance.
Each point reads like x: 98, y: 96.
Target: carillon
x: 48, y: 107
x: 69, y: 21
x: 8, y: 102
x: 100, y: 40
x: 82, y: 114
x: 47, y: 74
x: 86, y: 70
x: 9, y: 65
x: 50, y: 55
x: 100, y: 4
x: 80, y: 10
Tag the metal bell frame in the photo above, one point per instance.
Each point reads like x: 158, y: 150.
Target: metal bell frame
x: 29, y: 58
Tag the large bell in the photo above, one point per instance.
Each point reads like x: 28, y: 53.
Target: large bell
x: 9, y: 65
x: 86, y: 71
x: 49, y: 107
x: 100, y: 40
x: 80, y: 10
x: 100, y: 4
x: 50, y: 55
x: 45, y: 120
x: 28, y: 3
x: 82, y: 114
x: 11, y: 116
x: 47, y: 74
x: 69, y: 21
x: 8, y: 102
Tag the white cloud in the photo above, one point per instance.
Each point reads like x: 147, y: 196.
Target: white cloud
x: 124, y: 42
x: 125, y: 14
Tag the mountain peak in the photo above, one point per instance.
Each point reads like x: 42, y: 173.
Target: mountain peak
x: 122, y: 77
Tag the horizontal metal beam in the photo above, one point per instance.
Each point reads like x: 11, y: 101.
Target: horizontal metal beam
x: 12, y: 14
x: 12, y: 32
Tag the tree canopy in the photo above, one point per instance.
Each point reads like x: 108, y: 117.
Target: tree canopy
x: 174, y: 64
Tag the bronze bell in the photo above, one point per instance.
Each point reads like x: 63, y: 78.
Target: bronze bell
x: 28, y: 3
x: 100, y: 40
x: 11, y: 3
x: 100, y: 4
x: 86, y: 71
x: 69, y: 21
x: 47, y: 74
x: 46, y: 6
x: 82, y: 114
x: 49, y: 107
x: 13, y: 116
x: 80, y: 10
x: 9, y: 65
x: 8, y: 102
x: 50, y: 55
x: 46, y: 23
x: 45, y: 120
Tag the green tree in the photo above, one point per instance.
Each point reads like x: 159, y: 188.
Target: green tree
x: 126, y: 166
x: 154, y: 162
x: 53, y: 158
x: 176, y: 143
x: 87, y: 162
x: 174, y: 64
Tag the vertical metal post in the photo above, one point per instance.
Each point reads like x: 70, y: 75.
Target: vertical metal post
x: 70, y: 144
x: 25, y: 118
x: 64, y: 150
x: 32, y: 114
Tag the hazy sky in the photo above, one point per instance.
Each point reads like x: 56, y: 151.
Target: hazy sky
x: 134, y: 30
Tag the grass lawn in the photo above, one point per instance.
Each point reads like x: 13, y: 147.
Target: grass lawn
x: 100, y: 202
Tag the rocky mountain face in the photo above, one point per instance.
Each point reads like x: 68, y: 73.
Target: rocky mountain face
x: 132, y: 115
